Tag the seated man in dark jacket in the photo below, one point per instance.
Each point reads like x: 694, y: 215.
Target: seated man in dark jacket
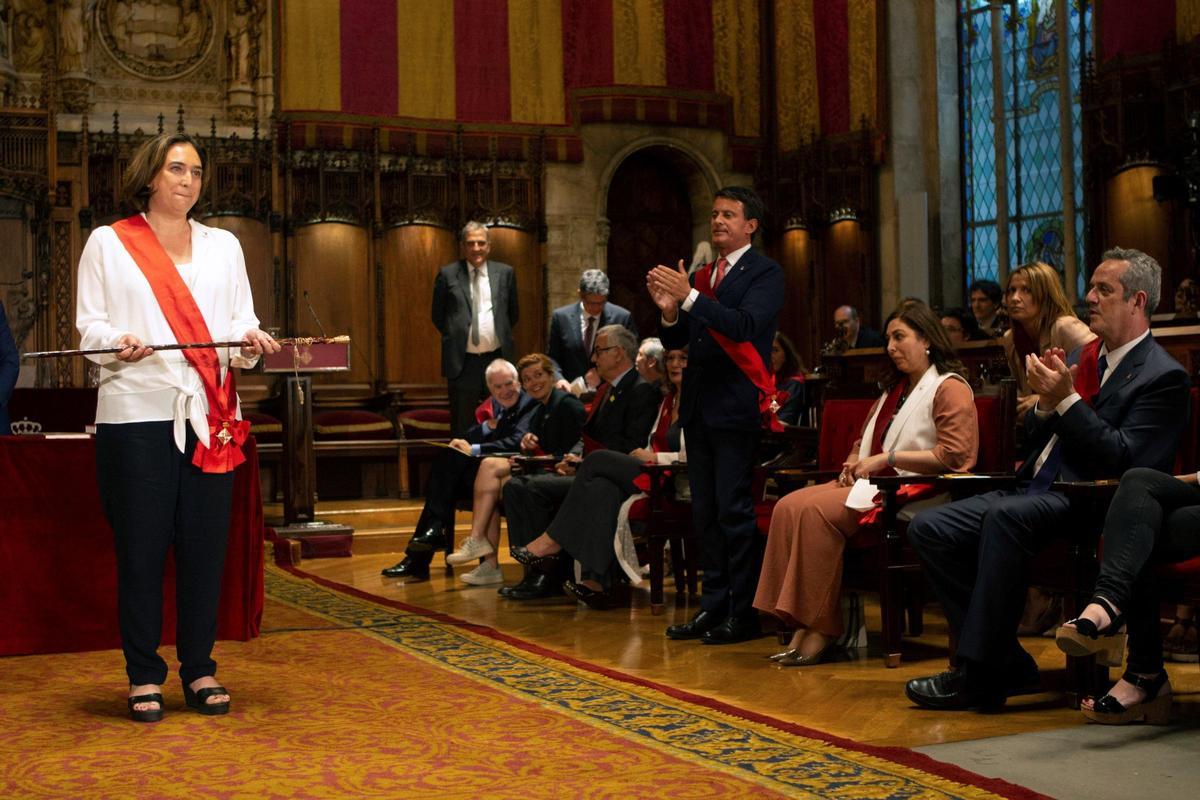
x: 506, y: 419
x: 622, y: 414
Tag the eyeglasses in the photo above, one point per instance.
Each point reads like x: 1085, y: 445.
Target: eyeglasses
x: 598, y: 350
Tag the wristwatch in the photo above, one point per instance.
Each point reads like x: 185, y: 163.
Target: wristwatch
x: 892, y: 458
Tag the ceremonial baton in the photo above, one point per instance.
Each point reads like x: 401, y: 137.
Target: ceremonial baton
x: 300, y: 341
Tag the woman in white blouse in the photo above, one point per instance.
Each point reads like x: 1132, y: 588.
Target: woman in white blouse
x: 168, y: 424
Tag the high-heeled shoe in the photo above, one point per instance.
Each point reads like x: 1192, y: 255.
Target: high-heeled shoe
x: 199, y: 700
x: 547, y: 564
x: 782, y: 655
x: 1080, y: 637
x: 1154, y: 710
x: 793, y: 658
x: 599, y: 600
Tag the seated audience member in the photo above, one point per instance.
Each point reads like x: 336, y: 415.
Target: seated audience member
x: 1153, y: 517
x: 1187, y: 299
x: 923, y: 423
x: 506, y: 416
x: 960, y: 327
x: 649, y: 362
x: 851, y: 331
x: 1117, y: 403
x: 986, y: 307
x: 622, y: 413
x: 553, y: 430
x: 1042, y: 320
x: 788, y: 372
x: 573, y: 330
x: 587, y: 527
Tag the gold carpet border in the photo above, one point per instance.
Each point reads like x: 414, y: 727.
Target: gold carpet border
x: 749, y: 750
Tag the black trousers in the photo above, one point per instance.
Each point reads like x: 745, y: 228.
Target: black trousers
x: 1153, y: 517
x: 977, y: 554
x: 452, y: 476
x: 531, y: 502
x: 155, y: 500
x: 587, y: 521
x: 467, y: 390
x: 720, y: 469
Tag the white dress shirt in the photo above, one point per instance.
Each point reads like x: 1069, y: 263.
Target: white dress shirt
x: 481, y: 301
x: 690, y: 300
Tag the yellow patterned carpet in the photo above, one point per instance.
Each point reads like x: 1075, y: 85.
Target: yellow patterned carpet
x: 351, y: 696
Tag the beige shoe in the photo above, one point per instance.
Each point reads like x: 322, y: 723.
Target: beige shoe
x: 470, y: 550
x: 484, y: 575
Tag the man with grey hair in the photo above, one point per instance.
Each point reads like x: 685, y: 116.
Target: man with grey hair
x: 573, y: 330
x: 1117, y: 402
x: 500, y: 422
x: 649, y: 361
x: 850, y: 329
x: 475, y: 309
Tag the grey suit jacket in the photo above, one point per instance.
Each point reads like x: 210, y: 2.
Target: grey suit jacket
x: 452, y: 311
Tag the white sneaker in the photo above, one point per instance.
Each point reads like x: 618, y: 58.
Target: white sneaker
x: 484, y: 575
x: 470, y: 550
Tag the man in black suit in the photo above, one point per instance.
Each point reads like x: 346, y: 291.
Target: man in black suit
x: 475, y: 309
x: 10, y: 366
x: 622, y: 414
x: 453, y: 474
x: 1119, y: 402
x: 851, y: 330
x: 573, y: 330
x: 732, y: 310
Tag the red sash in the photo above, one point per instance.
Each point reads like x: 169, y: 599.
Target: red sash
x: 659, y: 443
x: 783, y: 395
x: 1087, y: 373
x: 748, y: 360
x: 226, y: 433
x: 909, y: 491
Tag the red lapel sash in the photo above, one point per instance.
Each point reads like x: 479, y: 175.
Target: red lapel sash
x: 745, y: 357
x: 226, y: 433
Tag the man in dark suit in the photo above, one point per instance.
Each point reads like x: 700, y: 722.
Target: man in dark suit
x: 10, y: 365
x: 1122, y: 403
x: 851, y: 330
x: 573, y: 331
x: 622, y: 414
x: 507, y: 420
x: 733, y: 309
x: 475, y: 309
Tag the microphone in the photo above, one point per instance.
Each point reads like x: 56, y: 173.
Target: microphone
x: 316, y: 319
x: 26, y: 275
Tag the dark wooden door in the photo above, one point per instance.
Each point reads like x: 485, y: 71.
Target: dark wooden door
x: 650, y: 222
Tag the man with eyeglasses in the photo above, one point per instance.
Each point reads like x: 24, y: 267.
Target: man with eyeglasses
x: 622, y: 413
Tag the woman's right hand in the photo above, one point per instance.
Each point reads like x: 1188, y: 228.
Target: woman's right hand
x: 132, y: 349
x: 529, y: 442
x: 846, y: 477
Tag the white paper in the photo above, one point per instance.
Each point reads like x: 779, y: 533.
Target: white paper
x: 862, y: 495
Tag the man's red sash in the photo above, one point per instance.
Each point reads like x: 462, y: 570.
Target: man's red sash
x: 748, y: 360
x: 226, y: 433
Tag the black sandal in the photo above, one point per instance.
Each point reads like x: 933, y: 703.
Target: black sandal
x: 545, y: 564
x: 199, y: 700
x: 149, y: 714
x: 1154, y: 710
x: 601, y: 601
x: 1080, y: 637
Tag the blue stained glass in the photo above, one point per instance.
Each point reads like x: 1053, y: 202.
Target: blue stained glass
x: 1032, y: 126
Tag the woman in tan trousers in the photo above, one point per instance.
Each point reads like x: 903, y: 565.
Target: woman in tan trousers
x: 924, y: 423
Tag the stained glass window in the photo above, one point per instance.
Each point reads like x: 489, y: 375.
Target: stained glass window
x: 1029, y: 152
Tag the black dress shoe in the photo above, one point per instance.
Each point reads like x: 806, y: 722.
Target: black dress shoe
x: 544, y: 564
x: 539, y: 586
x: 951, y: 691
x: 409, y: 568
x: 427, y: 541
x: 734, y: 630
x: 696, y: 627
x: 523, y: 585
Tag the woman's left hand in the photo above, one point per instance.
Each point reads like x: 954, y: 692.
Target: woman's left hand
x: 257, y: 342
x: 868, y: 466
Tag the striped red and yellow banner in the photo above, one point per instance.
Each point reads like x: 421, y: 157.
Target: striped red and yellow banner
x: 518, y: 61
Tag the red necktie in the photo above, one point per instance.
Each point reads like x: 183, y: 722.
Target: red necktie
x: 722, y: 265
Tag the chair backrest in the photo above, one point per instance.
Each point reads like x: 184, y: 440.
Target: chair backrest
x: 996, y: 410
x: 841, y: 423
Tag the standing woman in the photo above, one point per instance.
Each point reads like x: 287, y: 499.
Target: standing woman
x: 1042, y: 318
x: 168, y: 424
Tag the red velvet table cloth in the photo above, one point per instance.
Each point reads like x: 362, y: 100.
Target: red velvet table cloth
x: 58, y: 571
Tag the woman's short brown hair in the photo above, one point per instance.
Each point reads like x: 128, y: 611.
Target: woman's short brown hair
x: 540, y: 359
x: 148, y: 161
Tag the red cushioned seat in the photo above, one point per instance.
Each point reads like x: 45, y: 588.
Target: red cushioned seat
x: 264, y: 427
x: 425, y: 423
x: 351, y: 424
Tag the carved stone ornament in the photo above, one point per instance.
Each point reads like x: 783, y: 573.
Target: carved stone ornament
x: 156, y: 39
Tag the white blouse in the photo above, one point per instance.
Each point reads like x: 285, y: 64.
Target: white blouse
x: 114, y: 299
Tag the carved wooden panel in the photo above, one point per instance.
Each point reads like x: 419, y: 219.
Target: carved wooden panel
x: 331, y: 264
x: 796, y: 254
x: 520, y: 249
x: 411, y: 257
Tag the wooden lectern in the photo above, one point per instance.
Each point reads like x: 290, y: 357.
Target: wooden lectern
x: 299, y: 469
